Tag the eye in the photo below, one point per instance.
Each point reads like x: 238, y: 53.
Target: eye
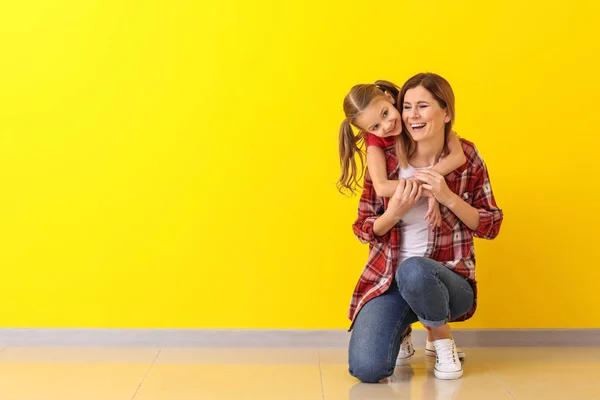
x: 385, y: 113
x: 375, y: 127
x: 423, y: 106
x: 407, y: 107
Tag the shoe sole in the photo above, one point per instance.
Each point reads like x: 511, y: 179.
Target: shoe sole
x: 431, y: 353
x: 448, y: 375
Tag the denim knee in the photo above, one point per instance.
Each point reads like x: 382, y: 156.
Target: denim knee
x: 368, y: 370
x: 413, y: 271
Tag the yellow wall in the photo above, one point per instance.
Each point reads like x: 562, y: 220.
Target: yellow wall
x: 171, y: 164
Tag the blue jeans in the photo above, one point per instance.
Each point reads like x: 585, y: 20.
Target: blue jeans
x: 423, y: 290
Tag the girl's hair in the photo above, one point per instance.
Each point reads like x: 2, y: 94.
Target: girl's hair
x: 441, y: 90
x: 355, y: 102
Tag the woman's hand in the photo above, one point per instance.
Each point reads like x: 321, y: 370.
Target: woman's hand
x: 436, y: 184
x: 406, y: 195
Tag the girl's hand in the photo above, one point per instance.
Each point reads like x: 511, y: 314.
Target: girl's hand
x: 433, y: 213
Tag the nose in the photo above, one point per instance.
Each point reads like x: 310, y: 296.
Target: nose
x: 390, y: 125
x: 414, y: 113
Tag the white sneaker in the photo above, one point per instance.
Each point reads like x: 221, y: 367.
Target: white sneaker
x: 447, y: 363
x: 406, y: 351
x: 430, y: 350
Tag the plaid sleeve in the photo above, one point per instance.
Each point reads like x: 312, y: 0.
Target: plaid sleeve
x: 490, y: 216
x: 370, y: 208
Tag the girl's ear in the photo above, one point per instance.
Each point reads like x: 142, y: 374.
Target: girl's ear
x: 389, y: 97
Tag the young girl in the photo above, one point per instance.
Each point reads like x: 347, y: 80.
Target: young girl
x: 371, y: 108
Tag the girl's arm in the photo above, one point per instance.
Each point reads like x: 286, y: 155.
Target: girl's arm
x: 378, y: 172
x: 454, y: 159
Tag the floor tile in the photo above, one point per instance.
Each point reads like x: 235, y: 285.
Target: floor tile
x: 540, y: 380
x: 333, y: 356
x: 92, y: 355
x: 34, y: 381
x: 525, y: 355
x: 238, y: 356
x: 220, y: 382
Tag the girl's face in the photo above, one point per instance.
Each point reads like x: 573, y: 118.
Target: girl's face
x: 422, y: 114
x: 380, y: 117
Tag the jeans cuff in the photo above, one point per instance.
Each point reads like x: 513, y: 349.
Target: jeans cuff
x: 432, y: 324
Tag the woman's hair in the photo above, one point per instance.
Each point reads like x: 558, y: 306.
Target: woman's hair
x: 441, y: 90
x: 355, y: 102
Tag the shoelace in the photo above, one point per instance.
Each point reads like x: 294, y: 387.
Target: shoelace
x: 445, y: 353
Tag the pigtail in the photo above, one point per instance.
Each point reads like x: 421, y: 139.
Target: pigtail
x: 349, y: 147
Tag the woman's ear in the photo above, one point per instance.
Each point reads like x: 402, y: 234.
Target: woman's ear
x: 389, y: 97
x: 447, y: 118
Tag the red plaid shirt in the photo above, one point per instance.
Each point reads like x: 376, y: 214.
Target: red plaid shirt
x: 451, y: 245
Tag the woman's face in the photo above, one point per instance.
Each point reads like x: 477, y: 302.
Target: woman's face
x: 422, y: 115
x: 380, y: 117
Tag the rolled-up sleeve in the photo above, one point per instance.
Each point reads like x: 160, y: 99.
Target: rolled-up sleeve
x: 370, y: 208
x: 490, y: 216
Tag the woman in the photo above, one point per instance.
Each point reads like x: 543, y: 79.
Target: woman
x: 415, y: 273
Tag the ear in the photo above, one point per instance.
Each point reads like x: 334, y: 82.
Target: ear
x: 389, y: 97
x: 447, y: 118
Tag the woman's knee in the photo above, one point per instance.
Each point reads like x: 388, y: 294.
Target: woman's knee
x: 413, y: 271
x: 369, y: 370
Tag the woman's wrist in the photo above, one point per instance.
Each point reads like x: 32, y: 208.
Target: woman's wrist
x: 384, y: 223
x: 452, y: 201
x: 468, y: 214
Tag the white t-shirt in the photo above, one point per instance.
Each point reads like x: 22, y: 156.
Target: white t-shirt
x: 413, y: 225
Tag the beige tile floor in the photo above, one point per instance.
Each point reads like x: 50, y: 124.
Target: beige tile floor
x: 193, y: 373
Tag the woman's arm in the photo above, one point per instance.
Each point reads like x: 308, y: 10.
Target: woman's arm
x: 490, y: 216
x: 483, y: 217
x: 370, y: 207
x: 374, y: 220
x: 464, y: 211
x: 436, y: 183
